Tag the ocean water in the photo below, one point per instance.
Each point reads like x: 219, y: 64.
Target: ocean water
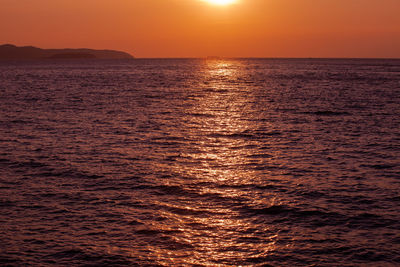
x: 182, y: 162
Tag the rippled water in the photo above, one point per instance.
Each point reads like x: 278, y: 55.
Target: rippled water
x: 200, y: 162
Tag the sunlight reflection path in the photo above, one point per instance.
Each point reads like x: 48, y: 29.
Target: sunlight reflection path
x: 218, y: 123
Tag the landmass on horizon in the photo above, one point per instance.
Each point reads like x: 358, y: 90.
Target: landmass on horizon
x: 12, y: 52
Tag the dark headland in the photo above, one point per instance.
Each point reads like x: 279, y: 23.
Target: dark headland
x: 12, y: 52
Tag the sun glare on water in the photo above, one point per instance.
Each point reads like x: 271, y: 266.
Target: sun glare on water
x: 221, y: 2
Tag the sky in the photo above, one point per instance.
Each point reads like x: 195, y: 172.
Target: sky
x: 196, y: 28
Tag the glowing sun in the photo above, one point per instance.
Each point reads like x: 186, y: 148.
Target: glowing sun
x: 221, y: 2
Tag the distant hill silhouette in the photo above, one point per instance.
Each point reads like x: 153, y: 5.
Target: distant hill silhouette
x: 12, y: 52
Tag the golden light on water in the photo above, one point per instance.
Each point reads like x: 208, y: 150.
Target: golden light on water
x: 219, y: 156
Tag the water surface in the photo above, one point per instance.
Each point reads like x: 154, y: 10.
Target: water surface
x: 200, y: 162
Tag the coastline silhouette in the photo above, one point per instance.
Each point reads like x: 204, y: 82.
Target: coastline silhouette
x: 12, y: 52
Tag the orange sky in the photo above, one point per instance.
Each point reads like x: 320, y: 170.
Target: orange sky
x: 194, y: 28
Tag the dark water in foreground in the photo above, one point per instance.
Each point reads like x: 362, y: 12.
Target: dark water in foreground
x: 181, y: 162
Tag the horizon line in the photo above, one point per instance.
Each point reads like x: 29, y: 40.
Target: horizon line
x: 222, y: 58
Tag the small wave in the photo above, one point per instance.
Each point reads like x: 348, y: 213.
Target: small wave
x: 26, y: 164
x: 233, y: 135
x: 201, y: 115
x: 369, y: 220
x: 81, y: 256
x: 4, y: 161
x: 322, y: 218
x: 145, y: 230
x: 260, y: 156
x: 186, y: 211
x: 20, y: 121
x: 171, y: 190
x: 368, y: 255
x: 328, y: 113
x: 272, y: 133
x: 272, y: 210
x: 245, y: 135
x: 69, y: 174
x: 6, y: 203
x: 9, y: 261
x: 379, y: 166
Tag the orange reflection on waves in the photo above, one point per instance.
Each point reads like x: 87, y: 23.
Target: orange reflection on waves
x: 219, y: 123
x: 209, y: 239
x: 216, y: 126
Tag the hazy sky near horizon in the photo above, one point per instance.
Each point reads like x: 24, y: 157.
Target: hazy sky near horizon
x: 195, y: 28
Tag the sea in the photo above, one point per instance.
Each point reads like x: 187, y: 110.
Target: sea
x: 200, y: 162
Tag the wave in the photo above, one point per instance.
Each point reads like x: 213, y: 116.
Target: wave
x: 320, y: 218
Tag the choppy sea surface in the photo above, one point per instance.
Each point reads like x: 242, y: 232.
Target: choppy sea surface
x: 175, y: 162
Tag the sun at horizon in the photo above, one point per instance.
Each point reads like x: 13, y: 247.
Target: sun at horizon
x: 221, y: 2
